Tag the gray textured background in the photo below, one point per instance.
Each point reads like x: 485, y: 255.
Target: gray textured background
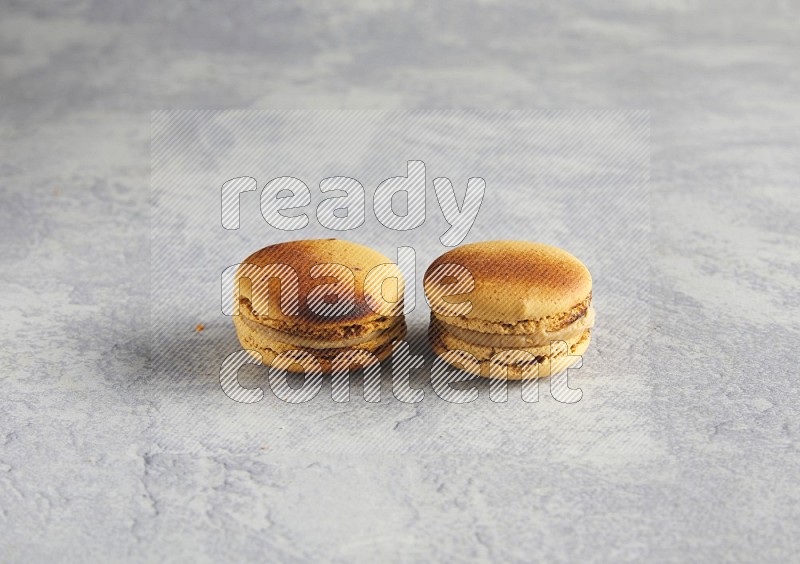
x: 700, y: 461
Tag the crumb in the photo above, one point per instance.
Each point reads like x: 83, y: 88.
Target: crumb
x: 199, y: 327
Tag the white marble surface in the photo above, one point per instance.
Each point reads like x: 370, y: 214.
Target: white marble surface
x: 697, y: 460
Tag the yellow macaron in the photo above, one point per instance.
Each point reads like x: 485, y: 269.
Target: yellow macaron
x: 518, y: 309
x: 323, y: 297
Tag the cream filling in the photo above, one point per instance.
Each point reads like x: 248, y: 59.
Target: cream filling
x: 538, y: 339
x: 270, y: 334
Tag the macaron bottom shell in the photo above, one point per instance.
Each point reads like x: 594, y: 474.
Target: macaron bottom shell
x: 479, y: 362
x: 266, y: 351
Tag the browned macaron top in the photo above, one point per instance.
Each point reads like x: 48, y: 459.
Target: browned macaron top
x: 302, y: 257
x: 515, y: 280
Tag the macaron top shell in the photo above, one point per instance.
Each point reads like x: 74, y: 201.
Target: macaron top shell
x: 514, y: 280
x: 360, y: 307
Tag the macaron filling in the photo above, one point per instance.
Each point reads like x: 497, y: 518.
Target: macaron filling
x: 308, y: 342
x: 539, y: 338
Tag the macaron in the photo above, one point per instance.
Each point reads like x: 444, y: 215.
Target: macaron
x: 321, y: 297
x: 512, y: 309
